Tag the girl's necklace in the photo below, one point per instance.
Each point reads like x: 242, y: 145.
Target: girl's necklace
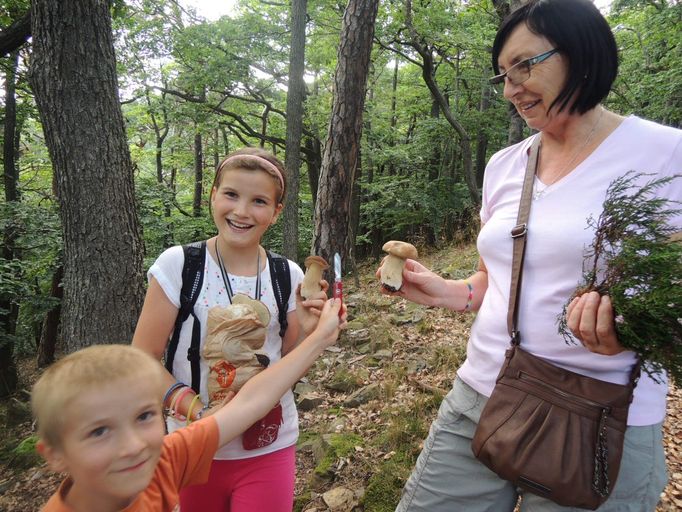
x: 540, y: 188
x: 226, y: 280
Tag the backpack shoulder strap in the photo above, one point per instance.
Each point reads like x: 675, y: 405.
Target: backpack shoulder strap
x: 281, y: 285
x: 192, y: 280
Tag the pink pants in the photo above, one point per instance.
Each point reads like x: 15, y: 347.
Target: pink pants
x: 263, y: 483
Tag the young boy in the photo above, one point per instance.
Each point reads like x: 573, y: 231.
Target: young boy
x: 99, y: 419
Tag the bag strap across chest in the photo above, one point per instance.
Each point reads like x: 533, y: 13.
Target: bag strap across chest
x: 192, y: 282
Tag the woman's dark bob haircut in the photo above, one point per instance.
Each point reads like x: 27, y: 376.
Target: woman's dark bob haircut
x: 579, y: 31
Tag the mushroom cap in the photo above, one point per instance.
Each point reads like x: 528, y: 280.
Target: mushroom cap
x: 261, y: 310
x: 316, y: 260
x: 400, y: 249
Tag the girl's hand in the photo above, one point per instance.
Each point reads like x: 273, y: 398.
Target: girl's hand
x: 590, y: 318
x: 330, y: 323
x: 309, y: 310
x: 420, y: 285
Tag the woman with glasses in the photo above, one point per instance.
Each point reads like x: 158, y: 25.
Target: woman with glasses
x: 555, y: 62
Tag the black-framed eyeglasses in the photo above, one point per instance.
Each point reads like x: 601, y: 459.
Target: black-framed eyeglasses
x: 520, y: 72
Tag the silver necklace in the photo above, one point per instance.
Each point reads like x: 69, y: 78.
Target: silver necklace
x: 226, y: 279
x: 540, y: 188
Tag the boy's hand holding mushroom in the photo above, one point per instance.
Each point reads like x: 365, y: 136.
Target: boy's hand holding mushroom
x: 311, y: 294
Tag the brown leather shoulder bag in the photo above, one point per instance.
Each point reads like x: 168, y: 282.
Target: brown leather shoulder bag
x: 550, y: 431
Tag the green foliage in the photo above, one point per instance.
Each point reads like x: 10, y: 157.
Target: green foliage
x: 20, y: 455
x: 386, y: 483
x: 25, y: 280
x: 650, y: 76
x: 633, y: 260
x: 340, y: 445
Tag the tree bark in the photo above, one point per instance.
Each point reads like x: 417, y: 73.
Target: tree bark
x: 73, y: 74
x: 198, y: 174
x: 332, y: 211
x: 295, y: 98
x: 9, y: 309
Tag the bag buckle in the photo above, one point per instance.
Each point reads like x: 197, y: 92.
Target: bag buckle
x: 519, y: 230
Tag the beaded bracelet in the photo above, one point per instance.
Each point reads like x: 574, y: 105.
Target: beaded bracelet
x: 191, y: 406
x: 201, y: 412
x: 170, y: 391
x: 470, y: 298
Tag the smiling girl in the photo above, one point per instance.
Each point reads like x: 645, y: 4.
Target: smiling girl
x: 246, y: 199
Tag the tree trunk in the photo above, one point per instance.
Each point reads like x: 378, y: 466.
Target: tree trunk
x: 314, y: 165
x: 73, y: 74
x: 482, y: 137
x: 332, y: 211
x: 198, y: 174
x: 9, y: 309
x: 355, y: 202
x: 295, y: 98
x: 50, y: 331
x: 516, y: 125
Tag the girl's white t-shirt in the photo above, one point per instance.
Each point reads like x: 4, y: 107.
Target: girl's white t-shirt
x: 167, y: 270
x: 558, y: 236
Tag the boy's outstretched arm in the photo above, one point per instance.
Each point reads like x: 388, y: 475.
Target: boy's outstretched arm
x: 263, y: 391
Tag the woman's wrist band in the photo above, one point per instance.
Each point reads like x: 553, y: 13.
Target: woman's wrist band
x: 470, y: 298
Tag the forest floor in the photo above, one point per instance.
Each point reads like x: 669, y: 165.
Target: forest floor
x: 365, y: 407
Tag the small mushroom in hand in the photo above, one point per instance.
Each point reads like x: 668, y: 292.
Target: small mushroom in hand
x: 314, y: 266
x: 392, y: 270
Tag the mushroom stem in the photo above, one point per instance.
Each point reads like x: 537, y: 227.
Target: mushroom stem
x: 315, y: 265
x: 311, y: 281
x: 392, y: 273
x: 392, y: 270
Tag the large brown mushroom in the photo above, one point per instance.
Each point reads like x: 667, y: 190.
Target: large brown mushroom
x: 392, y: 270
x: 314, y: 266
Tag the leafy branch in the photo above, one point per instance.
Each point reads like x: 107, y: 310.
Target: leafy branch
x: 636, y: 260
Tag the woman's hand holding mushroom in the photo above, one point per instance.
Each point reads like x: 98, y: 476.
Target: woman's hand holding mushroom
x: 419, y: 284
x: 391, y: 273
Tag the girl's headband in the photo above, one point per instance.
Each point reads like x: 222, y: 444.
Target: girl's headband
x: 259, y: 160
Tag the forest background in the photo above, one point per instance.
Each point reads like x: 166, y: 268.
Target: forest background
x: 115, y: 114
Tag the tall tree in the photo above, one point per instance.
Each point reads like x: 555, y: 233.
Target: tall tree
x: 9, y: 309
x: 332, y: 211
x: 295, y: 96
x: 73, y: 74
x: 428, y: 65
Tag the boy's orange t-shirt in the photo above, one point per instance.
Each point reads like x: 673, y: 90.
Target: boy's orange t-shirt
x: 186, y: 458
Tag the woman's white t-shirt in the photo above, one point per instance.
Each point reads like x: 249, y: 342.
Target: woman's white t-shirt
x: 167, y: 270
x: 558, y: 236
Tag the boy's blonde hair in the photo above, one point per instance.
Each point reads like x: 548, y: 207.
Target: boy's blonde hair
x: 86, y: 369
